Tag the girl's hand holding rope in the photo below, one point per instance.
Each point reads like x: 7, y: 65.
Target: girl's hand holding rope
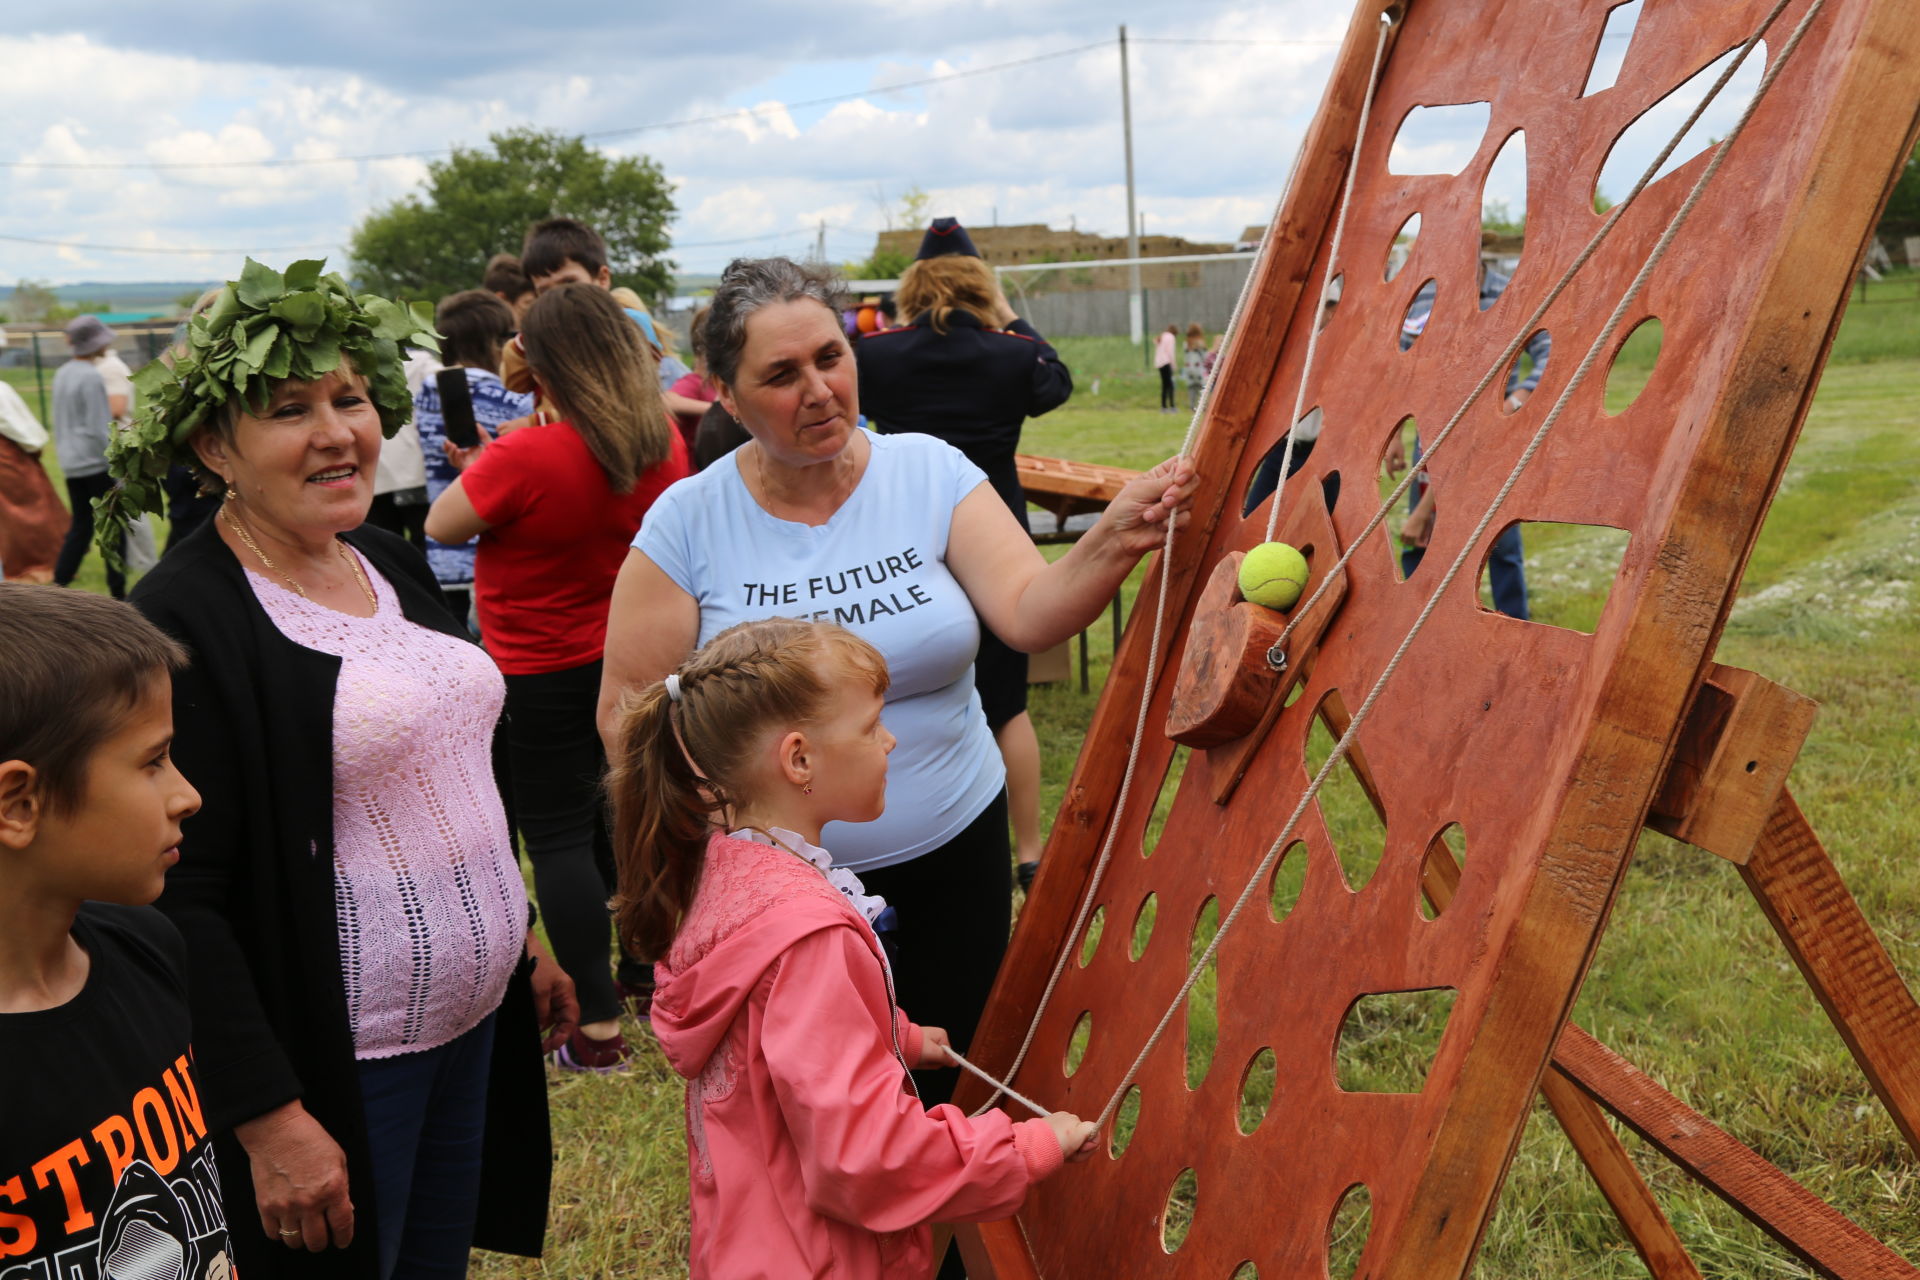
x: 1078, y: 1137
x: 934, y: 1042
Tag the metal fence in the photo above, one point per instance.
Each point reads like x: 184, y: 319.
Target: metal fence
x: 1102, y: 312
x: 45, y: 350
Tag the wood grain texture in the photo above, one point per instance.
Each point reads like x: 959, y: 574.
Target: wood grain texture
x: 1545, y: 746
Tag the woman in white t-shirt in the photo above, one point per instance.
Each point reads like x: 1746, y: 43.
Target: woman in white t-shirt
x: 903, y: 540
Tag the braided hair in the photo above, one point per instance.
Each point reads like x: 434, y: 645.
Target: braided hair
x: 681, y: 763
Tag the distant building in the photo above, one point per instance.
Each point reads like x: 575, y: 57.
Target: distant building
x: 1078, y: 253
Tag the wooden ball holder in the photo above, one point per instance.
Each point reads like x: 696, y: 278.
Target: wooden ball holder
x: 1230, y: 688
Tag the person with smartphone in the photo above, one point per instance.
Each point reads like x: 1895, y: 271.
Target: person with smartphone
x: 464, y: 405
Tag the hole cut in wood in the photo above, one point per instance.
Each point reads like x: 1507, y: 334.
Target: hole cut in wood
x: 1077, y: 1042
x: 1143, y: 926
x: 1439, y: 139
x: 1245, y: 1271
x: 1177, y: 1218
x: 1330, y: 300
x: 1204, y: 1000
x: 1419, y: 312
x: 1353, y: 825
x: 1400, y: 248
x: 1388, y: 1040
x: 1266, y: 476
x: 1450, y: 843
x: 1096, y: 925
x: 1256, y: 1091
x: 1397, y: 453
x: 1571, y: 570
x: 1163, y: 803
x: 1643, y: 139
x: 1532, y: 356
x: 1126, y: 1119
x: 1610, y: 52
x: 1634, y: 362
x: 1503, y: 204
x: 1289, y: 878
x: 1347, y: 1232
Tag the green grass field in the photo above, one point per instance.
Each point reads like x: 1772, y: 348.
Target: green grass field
x: 1689, y: 982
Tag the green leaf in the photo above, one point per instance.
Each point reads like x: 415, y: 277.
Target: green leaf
x: 307, y: 311
x: 260, y: 285
x: 305, y: 274
x: 280, y: 359
x: 255, y: 355
x: 220, y: 316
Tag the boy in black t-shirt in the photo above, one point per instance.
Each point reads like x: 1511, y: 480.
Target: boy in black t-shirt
x: 106, y: 1171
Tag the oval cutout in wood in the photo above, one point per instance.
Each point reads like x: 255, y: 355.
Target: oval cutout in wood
x: 1503, y: 210
x: 1289, y: 878
x: 1256, y: 1091
x: 1439, y: 139
x: 1388, y: 1040
x: 1347, y: 1232
x: 1354, y: 826
x: 1176, y: 1219
x: 1634, y: 362
x: 1419, y: 312
x: 1531, y: 358
x: 1610, y: 51
x: 1096, y: 925
x: 1446, y: 855
x: 1570, y: 571
x: 1143, y: 926
x: 1204, y: 1000
x: 1163, y: 802
x: 1401, y: 247
x: 1077, y: 1042
x: 1125, y: 1120
x: 1642, y: 140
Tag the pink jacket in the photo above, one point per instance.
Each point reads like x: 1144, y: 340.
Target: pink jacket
x: 809, y: 1155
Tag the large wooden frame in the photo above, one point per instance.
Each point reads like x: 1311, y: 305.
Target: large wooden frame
x: 1550, y: 748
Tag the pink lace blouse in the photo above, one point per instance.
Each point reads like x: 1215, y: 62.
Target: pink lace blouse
x: 432, y: 911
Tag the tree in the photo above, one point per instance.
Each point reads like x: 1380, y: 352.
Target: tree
x: 33, y: 302
x: 479, y: 202
x: 882, y: 264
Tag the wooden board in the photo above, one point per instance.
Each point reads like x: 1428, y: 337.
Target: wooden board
x: 1545, y: 745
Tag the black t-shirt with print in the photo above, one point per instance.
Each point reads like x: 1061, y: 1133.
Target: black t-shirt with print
x: 106, y: 1170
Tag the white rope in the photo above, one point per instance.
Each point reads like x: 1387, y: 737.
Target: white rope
x: 1153, y: 673
x: 1008, y: 1090
x: 1326, y: 279
x: 1526, y: 330
x: 1344, y: 745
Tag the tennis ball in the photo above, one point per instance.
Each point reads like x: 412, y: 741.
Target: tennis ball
x: 1273, y: 574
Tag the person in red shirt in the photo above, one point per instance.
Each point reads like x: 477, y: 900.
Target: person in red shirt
x: 555, y: 506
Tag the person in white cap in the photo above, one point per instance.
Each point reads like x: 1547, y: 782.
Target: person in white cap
x: 83, y: 418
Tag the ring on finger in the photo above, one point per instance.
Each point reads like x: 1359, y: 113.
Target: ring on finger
x: 290, y: 1235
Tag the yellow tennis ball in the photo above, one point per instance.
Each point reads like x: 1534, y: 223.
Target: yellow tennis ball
x: 1273, y: 574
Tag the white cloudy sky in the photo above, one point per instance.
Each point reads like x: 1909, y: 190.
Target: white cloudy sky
x: 1217, y: 117
x: 1216, y: 125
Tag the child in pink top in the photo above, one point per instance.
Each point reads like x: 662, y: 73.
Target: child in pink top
x: 809, y: 1153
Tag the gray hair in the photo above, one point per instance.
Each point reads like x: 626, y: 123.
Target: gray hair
x: 747, y: 285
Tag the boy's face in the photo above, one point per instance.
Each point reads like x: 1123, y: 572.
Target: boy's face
x: 117, y: 843
x: 571, y: 272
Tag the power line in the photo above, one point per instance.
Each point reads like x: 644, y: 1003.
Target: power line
x: 128, y: 248
x: 685, y: 123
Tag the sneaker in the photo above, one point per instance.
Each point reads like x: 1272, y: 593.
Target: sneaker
x: 582, y: 1052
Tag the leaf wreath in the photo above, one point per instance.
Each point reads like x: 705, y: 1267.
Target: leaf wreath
x: 264, y: 329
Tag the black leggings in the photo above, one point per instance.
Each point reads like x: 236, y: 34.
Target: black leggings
x: 80, y: 496
x: 557, y: 762
x: 954, y: 904
x: 1166, y: 386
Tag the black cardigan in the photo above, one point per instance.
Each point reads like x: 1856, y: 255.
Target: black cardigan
x: 253, y: 895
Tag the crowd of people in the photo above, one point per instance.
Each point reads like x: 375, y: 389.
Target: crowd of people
x: 734, y: 651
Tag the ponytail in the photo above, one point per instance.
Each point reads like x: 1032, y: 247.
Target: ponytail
x: 661, y: 815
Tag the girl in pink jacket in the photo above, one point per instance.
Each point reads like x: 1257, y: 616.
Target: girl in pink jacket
x: 809, y: 1154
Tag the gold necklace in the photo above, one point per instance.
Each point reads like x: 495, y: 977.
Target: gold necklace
x: 366, y: 588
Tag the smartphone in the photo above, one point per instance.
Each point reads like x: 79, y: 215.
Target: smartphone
x: 456, y: 407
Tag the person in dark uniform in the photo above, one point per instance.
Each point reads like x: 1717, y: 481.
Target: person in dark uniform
x: 969, y: 371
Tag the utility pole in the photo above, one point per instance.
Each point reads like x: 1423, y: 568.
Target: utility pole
x: 820, y: 243
x: 1136, y: 312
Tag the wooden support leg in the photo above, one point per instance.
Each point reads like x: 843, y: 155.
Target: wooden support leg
x: 1841, y: 958
x: 1813, y: 1230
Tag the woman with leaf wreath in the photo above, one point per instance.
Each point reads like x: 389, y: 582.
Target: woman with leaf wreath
x: 366, y: 994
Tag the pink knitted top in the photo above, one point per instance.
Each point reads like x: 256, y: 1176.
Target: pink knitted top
x: 431, y: 907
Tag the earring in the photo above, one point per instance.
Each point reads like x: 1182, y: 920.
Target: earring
x: 230, y: 495
x: 807, y: 790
